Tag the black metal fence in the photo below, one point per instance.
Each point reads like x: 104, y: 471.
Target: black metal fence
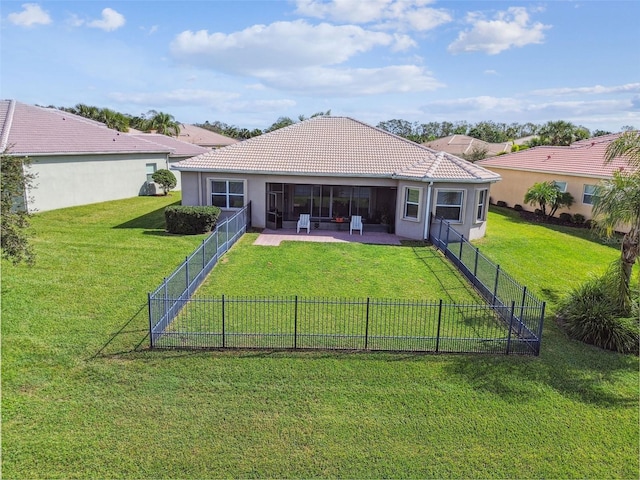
x: 175, y: 291
x: 344, y: 324
x: 496, y: 286
x: 510, y: 323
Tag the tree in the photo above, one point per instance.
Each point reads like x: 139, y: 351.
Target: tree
x: 15, y: 183
x: 162, y: 123
x: 548, y: 194
x: 560, y: 133
x: 617, y: 202
x: 477, y: 153
x: 165, y: 178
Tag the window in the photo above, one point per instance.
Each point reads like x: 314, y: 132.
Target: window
x: 411, y: 203
x: 151, y: 169
x: 481, y: 205
x: 588, y: 194
x: 227, y: 193
x: 449, y: 204
x: 562, y: 186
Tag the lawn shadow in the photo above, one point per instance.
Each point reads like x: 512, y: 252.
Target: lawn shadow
x: 588, y: 378
x: 149, y: 221
x: 128, y: 338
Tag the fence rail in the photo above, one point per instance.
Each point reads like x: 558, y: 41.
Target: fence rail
x: 510, y: 322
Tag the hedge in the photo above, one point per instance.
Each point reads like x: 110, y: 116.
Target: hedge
x: 187, y: 220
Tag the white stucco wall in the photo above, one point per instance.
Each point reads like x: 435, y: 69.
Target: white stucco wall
x: 71, y: 180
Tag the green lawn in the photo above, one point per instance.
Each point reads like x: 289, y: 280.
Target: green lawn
x: 83, y: 397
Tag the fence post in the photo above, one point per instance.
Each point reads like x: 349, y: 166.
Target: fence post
x: 366, y: 328
x: 446, y: 242
x: 513, y: 306
x: 166, y: 300
x: 524, y: 299
x: 544, y: 304
x: 295, y: 325
x: 461, y: 244
x: 204, y: 254
x: 475, y: 264
x: 495, y: 286
x: 186, y: 270
x: 440, y: 235
x: 150, y: 322
x: 439, y: 320
x: 223, y: 339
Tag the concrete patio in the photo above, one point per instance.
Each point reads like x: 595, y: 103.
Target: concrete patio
x: 273, y: 238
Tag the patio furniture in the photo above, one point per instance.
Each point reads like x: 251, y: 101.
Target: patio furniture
x: 304, y: 222
x: 356, y: 224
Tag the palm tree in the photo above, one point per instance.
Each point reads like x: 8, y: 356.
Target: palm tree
x: 617, y: 202
x: 163, y: 123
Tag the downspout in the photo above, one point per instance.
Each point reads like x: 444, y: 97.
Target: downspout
x: 200, y: 188
x: 427, y: 213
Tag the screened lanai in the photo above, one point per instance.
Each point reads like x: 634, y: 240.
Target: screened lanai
x: 329, y: 203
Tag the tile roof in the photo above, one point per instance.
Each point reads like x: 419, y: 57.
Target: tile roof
x: 203, y: 137
x: 583, y: 158
x: 178, y: 148
x: 337, y: 146
x: 31, y: 130
x: 464, y: 144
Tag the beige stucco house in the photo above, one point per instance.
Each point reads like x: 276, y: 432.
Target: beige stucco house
x: 77, y: 161
x: 335, y: 167
x: 576, y: 169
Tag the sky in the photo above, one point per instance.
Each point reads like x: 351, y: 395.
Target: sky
x: 247, y: 63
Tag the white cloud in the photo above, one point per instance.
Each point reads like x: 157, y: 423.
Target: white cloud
x: 279, y: 45
x: 351, y: 82
x: 174, y: 97
x: 594, y: 90
x: 393, y: 14
x: 510, y: 28
x: 32, y: 14
x: 111, y: 20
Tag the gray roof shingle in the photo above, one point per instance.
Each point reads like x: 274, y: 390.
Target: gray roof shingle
x: 337, y: 146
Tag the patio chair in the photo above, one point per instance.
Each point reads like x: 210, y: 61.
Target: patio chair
x: 304, y: 222
x: 356, y: 224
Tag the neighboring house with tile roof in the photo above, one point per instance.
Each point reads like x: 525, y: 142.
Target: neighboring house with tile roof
x: 577, y: 169
x: 78, y: 161
x: 461, y: 145
x: 203, y: 137
x: 337, y: 167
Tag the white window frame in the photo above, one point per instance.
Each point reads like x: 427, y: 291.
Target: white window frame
x: 562, y: 186
x: 481, y: 204
x: 590, y: 195
x: 462, y: 202
x: 406, y: 203
x: 227, y: 194
x: 149, y: 166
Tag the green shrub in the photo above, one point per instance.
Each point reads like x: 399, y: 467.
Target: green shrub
x: 517, y: 207
x: 188, y: 220
x: 579, y: 219
x: 566, y: 217
x: 165, y: 178
x: 592, y: 315
x: 502, y: 203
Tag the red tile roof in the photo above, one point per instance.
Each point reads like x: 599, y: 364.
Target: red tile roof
x: 203, y: 137
x: 31, y: 130
x: 583, y: 158
x: 337, y: 146
x: 463, y: 145
x: 178, y: 148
